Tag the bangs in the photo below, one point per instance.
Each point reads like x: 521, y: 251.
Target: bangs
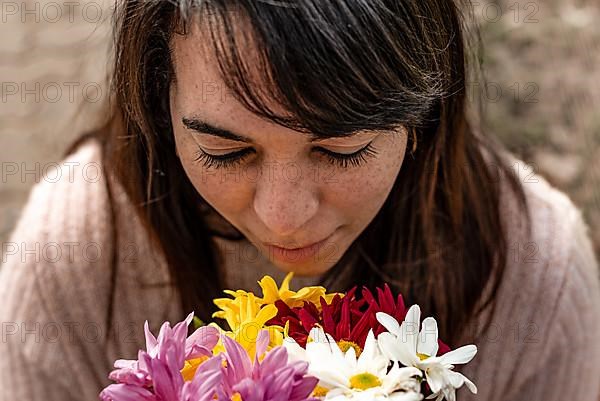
x: 324, y: 67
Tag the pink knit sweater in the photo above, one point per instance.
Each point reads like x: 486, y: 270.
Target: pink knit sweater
x: 55, y: 277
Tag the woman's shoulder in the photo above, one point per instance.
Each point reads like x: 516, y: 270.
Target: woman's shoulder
x: 60, y: 264
x: 53, y: 274
x: 78, y: 227
x: 560, y: 238
x: 548, y: 300
x: 66, y: 216
x: 553, y: 267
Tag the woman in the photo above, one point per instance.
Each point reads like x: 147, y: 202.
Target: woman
x: 328, y: 138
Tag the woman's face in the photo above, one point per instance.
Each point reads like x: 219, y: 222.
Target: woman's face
x: 283, y: 189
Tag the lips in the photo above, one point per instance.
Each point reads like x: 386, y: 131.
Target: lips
x: 297, y: 254
x: 294, y: 248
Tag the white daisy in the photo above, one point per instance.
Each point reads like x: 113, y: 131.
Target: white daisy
x: 406, y: 344
x: 343, y: 376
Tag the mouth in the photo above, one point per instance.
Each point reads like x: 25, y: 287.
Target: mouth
x: 297, y: 254
x: 289, y: 248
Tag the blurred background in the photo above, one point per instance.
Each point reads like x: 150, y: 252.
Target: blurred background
x: 541, y: 60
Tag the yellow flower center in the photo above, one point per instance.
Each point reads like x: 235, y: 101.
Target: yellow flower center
x: 346, y: 345
x: 190, y: 367
x: 364, y: 381
x: 422, y: 356
x: 236, y: 397
x: 320, y: 391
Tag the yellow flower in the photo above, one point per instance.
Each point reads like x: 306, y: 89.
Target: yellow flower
x: 243, y: 307
x: 246, y: 314
x: 246, y: 318
x: 247, y: 332
x: 272, y: 293
x: 320, y: 391
x: 190, y: 367
x: 247, y: 301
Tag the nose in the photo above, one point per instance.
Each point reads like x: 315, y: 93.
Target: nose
x: 285, y: 200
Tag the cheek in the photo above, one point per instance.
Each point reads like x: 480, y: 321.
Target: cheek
x: 359, y: 194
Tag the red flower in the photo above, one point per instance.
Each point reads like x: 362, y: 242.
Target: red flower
x: 347, y: 319
x: 338, y: 318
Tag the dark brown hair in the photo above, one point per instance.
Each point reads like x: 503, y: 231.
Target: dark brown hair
x: 335, y: 67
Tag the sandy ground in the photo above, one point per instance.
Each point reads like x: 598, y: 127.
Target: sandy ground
x: 542, y: 61
x: 52, y: 73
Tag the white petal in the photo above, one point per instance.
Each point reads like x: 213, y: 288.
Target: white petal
x: 330, y: 377
x: 397, y: 350
x: 406, y: 373
x: 409, y: 329
x: 294, y: 350
x: 428, y: 338
x: 388, y: 322
x: 323, y: 343
x: 367, y: 395
x: 350, y: 358
x: 406, y: 396
x: 438, y: 396
x: 402, y: 379
x: 370, y: 350
x: 317, y: 335
x: 471, y: 386
x: 457, y: 380
x: 460, y: 355
x: 371, y: 355
x: 436, y: 380
x: 336, y: 395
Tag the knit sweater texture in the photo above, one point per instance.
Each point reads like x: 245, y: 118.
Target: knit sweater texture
x: 55, y: 277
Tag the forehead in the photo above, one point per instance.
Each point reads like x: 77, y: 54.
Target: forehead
x: 197, y: 78
x: 200, y: 90
x: 198, y: 85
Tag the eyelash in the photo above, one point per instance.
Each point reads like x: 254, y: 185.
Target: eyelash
x: 355, y: 159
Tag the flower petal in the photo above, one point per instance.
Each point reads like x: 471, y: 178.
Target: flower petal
x: 460, y: 355
x: 262, y: 343
x: 388, y: 322
x: 150, y: 339
x: 239, y: 364
x: 201, y: 342
x: 126, y: 392
x: 409, y: 329
x: 428, y: 338
x: 457, y: 380
x: 397, y: 350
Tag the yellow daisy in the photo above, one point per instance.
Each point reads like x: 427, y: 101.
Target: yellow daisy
x: 246, y: 317
x: 272, y: 293
x: 246, y: 314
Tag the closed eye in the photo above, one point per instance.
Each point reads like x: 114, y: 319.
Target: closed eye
x: 343, y: 160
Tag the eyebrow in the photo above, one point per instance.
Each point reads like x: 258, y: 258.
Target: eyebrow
x: 203, y: 127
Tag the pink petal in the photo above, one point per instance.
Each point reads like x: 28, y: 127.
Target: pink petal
x: 126, y: 392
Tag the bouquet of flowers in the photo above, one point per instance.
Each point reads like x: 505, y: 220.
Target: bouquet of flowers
x: 295, y: 346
